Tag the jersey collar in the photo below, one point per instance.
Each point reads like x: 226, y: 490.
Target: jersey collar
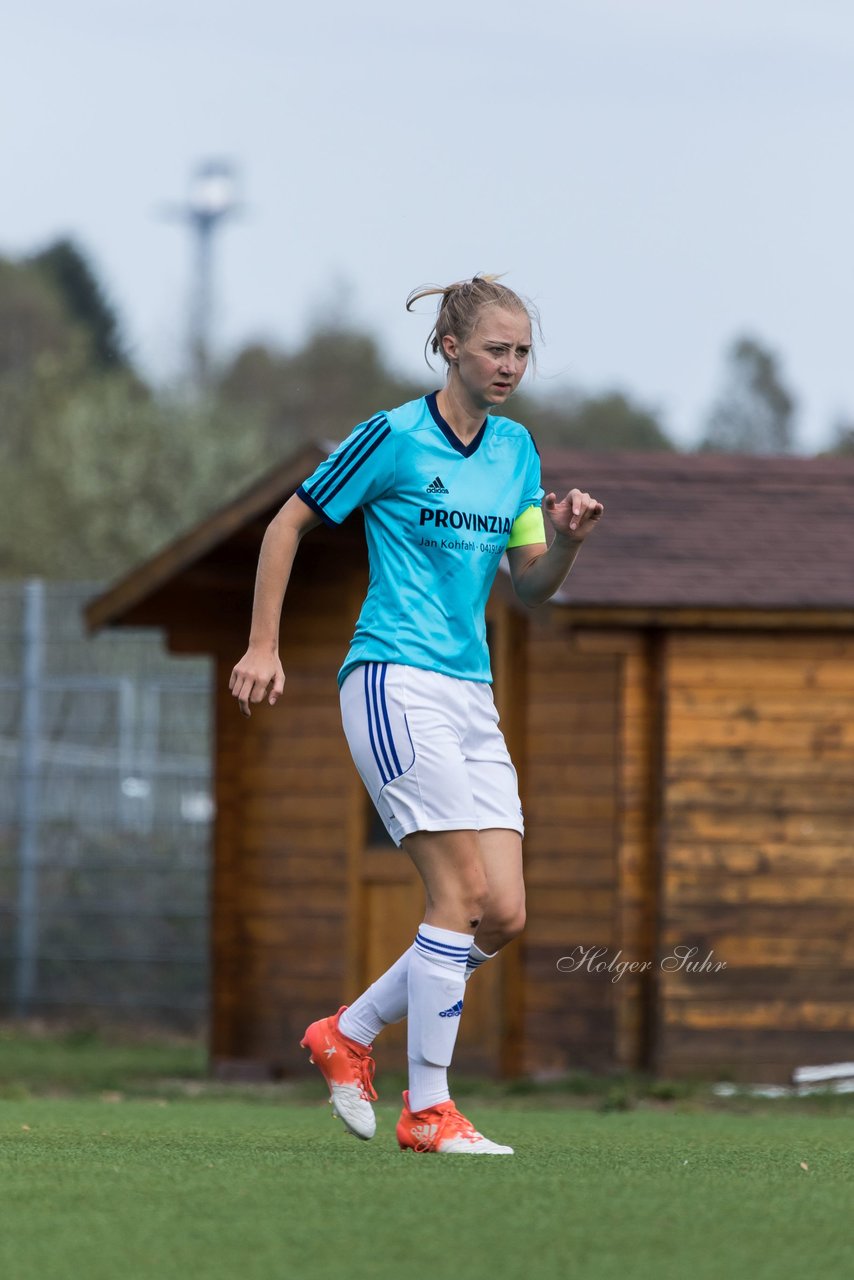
x: 448, y: 432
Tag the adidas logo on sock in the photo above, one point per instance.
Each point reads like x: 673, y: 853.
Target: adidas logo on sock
x: 436, y: 487
x: 454, y: 1011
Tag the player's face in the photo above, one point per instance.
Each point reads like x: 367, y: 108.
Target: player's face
x: 491, y: 361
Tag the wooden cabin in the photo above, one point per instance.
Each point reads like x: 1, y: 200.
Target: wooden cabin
x: 682, y: 718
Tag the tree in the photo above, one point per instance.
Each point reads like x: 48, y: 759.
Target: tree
x: 73, y: 278
x: 843, y: 437
x: 754, y: 412
x: 605, y: 422
x: 103, y: 476
x: 335, y: 380
x: 96, y: 472
x: 34, y: 327
x: 338, y: 378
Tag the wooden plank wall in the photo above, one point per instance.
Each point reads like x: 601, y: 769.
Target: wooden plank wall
x: 621, y: 793
x: 759, y: 858
x: 571, y: 797
x: 637, y: 836
x: 281, y: 889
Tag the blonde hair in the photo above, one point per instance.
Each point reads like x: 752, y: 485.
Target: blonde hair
x: 460, y: 306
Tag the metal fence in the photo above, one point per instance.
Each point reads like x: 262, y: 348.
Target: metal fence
x: 105, y: 816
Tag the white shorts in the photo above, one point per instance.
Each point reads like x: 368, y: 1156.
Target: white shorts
x: 429, y: 750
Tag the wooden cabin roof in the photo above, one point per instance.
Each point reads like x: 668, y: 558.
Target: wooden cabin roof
x: 712, y: 531
x: 682, y: 531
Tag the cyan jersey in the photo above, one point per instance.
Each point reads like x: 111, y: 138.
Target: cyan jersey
x: 438, y: 517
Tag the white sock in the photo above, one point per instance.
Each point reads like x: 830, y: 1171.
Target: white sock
x: 437, y: 965
x: 476, y: 959
x: 384, y: 1001
x: 428, y: 1084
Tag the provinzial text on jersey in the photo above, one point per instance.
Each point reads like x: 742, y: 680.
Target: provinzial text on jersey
x: 442, y: 519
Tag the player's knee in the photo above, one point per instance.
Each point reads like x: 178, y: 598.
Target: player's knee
x: 515, y: 923
x: 474, y: 895
x: 475, y: 905
x: 508, y: 921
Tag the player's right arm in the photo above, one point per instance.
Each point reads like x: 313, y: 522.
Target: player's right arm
x: 260, y: 668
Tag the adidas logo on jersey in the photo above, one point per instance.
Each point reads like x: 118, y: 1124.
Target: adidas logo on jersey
x: 454, y: 1011
x: 436, y: 487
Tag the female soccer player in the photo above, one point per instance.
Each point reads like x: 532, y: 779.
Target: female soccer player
x: 447, y: 487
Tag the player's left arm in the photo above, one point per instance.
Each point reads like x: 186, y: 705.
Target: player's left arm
x: 537, y: 569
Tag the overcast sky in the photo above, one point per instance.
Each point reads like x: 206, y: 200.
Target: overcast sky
x: 659, y: 176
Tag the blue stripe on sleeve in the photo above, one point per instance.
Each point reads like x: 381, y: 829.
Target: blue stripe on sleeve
x: 348, y: 454
x: 309, y: 501
x: 327, y: 497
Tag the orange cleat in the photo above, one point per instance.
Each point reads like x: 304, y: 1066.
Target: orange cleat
x: 348, y: 1069
x: 442, y: 1129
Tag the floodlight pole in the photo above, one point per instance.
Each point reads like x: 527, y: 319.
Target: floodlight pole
x: 213, y: 198
x: 201, y: 300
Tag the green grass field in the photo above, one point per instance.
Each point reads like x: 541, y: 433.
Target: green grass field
x: 264, y: 1184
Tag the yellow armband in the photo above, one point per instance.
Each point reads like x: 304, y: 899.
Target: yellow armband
x: 527, y: 528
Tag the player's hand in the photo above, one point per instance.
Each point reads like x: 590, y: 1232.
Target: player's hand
x: 575, y: 515
x: 258, y: 675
